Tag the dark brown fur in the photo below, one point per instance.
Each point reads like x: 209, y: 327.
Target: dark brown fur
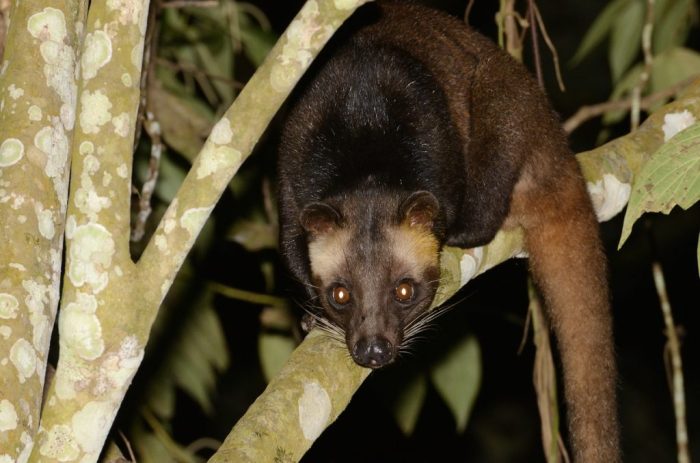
x: 515, y: 170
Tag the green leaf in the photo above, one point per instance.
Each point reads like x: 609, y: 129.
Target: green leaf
x: 161, y: 396
x: 599, y: 30
x: 409, y: 404
x: 670, y: 178
x: 150, y: 449
x: 218, y: 63
x: 625, y: 39
x: 673, y: 26
x: 274, y: 351
x: 673, y: 66
x: 199, y: 354
x: 457, y: 377
x: 184, y: 120
x: 253, y: 235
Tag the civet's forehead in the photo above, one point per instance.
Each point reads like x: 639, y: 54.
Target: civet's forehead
x: 328, y: 255
x: 407, y: 251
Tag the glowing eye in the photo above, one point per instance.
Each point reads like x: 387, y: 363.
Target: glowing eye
x: 341, y: 295
x: 404, y: 292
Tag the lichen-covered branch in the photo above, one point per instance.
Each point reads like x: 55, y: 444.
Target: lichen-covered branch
x: 609, y: 171
x: 302, y: 400
x: 101, y: 334
x: 37, y: 90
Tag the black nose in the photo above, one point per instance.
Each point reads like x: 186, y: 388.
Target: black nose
x: 373, y: 352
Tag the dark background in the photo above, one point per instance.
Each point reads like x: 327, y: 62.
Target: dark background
x: 504, y: 426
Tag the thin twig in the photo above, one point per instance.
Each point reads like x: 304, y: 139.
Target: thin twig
x: 535, y: 44
x: 648, y: 63
x: 149, y: 124
x: 191, y: 69
x: 674, y: 349
x: 256, y: 13
x: 526, y: 331
x: 248, y: 296
x: 544, y: 379
x: 589, y: 112
x: 550, y: 45
x: 132, y: 457
x: 468, y: 11
x: 152, y: 127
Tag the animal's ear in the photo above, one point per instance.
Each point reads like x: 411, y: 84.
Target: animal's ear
x: 319, y: 218
x: 419, y: 210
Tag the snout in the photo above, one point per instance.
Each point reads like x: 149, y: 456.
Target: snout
x: 373, y: 352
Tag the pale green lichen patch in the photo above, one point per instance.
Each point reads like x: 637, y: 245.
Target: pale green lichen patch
x: 137, y: 55
x: 169, y: 222
x: 215, y: 159
x: 123, y: 171
x: 5, y: 331
x: 469, y: 264
x: 90, y: 256
x: 49, y: 27
x: 44, y: 218
x: 91, y: 423
x: 130, y: 11
x: 52, y: 143
x: 221, y: 134
x: 161, y: 244
x: 15, y: 92
x: 34, y: 113
x: 17, y: 266
x: 5, y: 458
x: 314, y: 408
x: 86, y: 198
x: 80, y: 328
x: 193, y: 219
x: 49, y: 24
x: 23, y: 357
x: 11, y: 151
x: 8, y: 306
x: 304, y: 35
x: 122, y: 124
x: 26, y: 440
x: 86, y: 148
x: 97, y: 51
x: 127, y: 80
x: 94, y: 112
x: 8, y: 416
x: 118, y: 368
x: 74, y: 375
x: 58, y: 443
x: 37, y: 298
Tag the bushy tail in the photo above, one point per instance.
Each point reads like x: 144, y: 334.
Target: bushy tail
x: 569, y: 268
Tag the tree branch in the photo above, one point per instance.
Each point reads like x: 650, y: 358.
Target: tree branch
x: 36, y: 123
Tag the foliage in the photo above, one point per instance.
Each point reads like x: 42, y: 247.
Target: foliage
x: 670, y: 178
x: 622, y: 22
